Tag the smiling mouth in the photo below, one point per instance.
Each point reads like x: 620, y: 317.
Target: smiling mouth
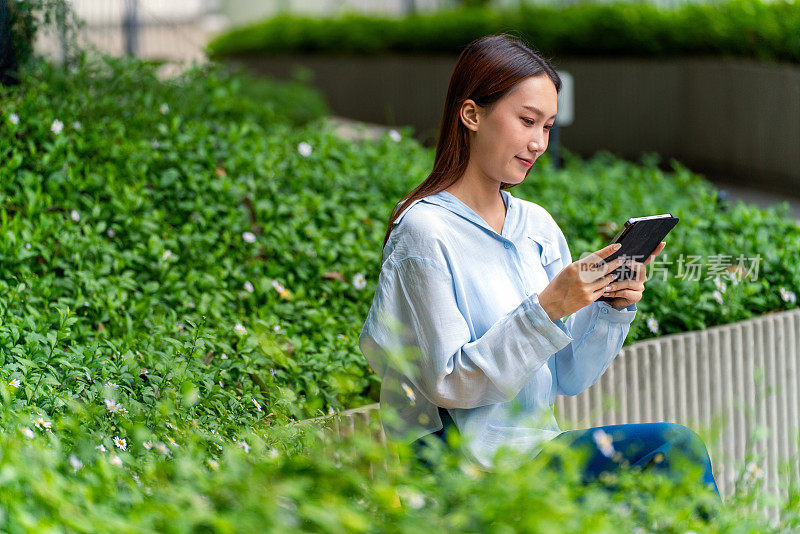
x: 525, y: 161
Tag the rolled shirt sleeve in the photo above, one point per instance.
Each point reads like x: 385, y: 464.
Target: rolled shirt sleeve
x: 415, y: 312
x: 599, y: 331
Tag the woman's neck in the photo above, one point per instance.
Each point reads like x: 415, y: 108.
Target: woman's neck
x: 480, y: 195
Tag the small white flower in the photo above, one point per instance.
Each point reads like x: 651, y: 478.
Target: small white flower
x: 304, y: 149
x: 213, y: 464
x: 240, y: 329
x: 224, y: 356
x: 15, y: 383
x: 718, y: 296
x: 113, y: 385
x: 167, y: 254
x: 415, y: 499
x: 257, y: 405
x: 112, y: 406
x: 470, y: 469
x: 753, y: 471
x: 155, y: 144
x: 179, y: 326
x: 75, y: 215
x: 75, y: 462
x: 220, y: 384
x: 409, y: 392
x: 115, y: 460
x: 249, y: 287
x: 359, y: 282
x: 341, y: 336
x: 41, y: 424
x: 788, y: 296
x: 174, y: 444
x: 77, y: 126
x: 27, y: 432
x: 28, y: 246
x: 101, y: 448
x: 147, y: 445
x: 395, y: 135
x: 604, y: 442
x: 170, y: 425
x: 164, y: 108
x: 57, y: 126
x: 272, y: 371
x: 160, y: 447
x: 243, y: 444
x: 652, y: 324
x: 720, y: 284
x: 13, y: 118
x: 110, y: 232
x: 218, y: 446
x: 121, y: 443
x: 190, y: 304
x: 249, y: 237
x: 624, y: 509
x: 278, y: 287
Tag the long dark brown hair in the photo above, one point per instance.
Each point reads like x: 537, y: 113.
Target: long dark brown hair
x: 486, y: 70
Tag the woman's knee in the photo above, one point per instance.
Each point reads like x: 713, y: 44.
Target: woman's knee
x: 687, y: 437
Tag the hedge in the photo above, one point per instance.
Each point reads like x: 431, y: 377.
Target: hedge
x: 765, y: 31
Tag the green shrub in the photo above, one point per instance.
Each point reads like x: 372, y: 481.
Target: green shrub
x: 179, y: 271
x: 767, y: 31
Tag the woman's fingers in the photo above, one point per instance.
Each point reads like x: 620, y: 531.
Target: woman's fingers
x: 627, y: 294
x: 630, y: 283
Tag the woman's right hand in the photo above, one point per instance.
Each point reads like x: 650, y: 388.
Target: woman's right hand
x: 579, y: 284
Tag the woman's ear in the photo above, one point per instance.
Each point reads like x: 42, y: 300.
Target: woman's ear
x: 469, y: 114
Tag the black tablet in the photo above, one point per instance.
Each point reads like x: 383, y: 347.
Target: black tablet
x: 639, y: 238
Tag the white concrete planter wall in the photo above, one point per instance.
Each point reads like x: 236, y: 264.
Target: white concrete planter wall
x: 704, y: 380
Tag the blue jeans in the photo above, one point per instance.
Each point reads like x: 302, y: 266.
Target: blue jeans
x: 647, y: 445
x: 643, y: 445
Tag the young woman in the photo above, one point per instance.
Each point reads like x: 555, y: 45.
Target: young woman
x: 465, y: 328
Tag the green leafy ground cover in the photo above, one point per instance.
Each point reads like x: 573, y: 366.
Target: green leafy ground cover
x: 185, y: 270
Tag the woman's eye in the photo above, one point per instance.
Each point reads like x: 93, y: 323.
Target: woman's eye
x: 528, y: 121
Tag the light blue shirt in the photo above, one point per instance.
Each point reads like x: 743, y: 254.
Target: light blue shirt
x: 456, y: 322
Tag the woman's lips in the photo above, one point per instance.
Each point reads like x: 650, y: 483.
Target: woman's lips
x: 524, y: 162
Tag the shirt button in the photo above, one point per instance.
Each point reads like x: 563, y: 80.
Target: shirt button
x: 507, y: 245
x: 604, y: 310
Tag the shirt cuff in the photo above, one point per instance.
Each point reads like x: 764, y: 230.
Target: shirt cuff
x: 609, y: 313
x: 542, y: 322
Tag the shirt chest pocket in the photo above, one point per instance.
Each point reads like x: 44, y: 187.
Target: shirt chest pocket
x: 542, y: 256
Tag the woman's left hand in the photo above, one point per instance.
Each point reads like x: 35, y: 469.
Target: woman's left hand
x: 626, y: 292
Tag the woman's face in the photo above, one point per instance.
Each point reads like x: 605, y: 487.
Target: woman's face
x: 510, y: 131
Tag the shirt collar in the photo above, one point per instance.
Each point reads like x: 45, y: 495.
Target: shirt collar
x: 452, y: 203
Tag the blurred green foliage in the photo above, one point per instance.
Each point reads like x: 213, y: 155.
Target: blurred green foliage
x: 766, y: 31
